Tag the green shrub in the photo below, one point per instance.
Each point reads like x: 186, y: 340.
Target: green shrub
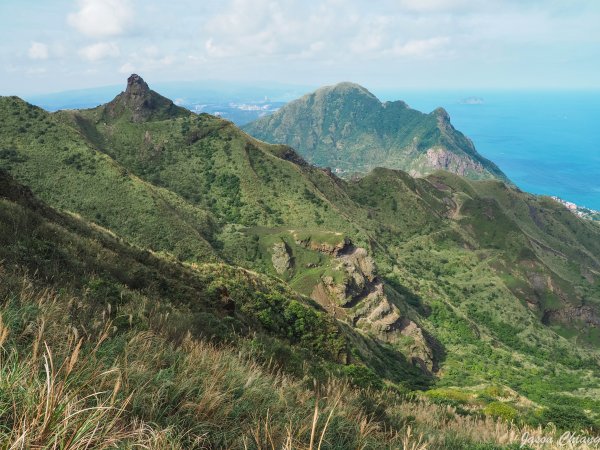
x: 567, y: 417
x: 362, y: 376
x: 448, y: 395
x: 501, y: 410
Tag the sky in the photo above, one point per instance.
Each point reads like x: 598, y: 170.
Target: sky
x: 55, y: 45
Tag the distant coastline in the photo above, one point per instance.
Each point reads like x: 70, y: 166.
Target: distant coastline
x: 581, y: 211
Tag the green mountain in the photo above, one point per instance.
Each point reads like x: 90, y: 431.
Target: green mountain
x: 112, y: 344
x: 347, y: 128
x: 443, y: 290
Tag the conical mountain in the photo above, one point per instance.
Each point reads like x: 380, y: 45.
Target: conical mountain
x: 139, y: 103
x: 347, y: 128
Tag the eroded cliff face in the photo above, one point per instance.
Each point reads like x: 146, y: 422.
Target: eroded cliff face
x: 573, y: 315
x: 329, y: 248
x: 280, y: 257
x: 564, y: 313
x: 343, y: 278
x: 439, y: 158
x: 356, y: 294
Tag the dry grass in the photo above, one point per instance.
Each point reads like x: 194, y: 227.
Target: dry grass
x: 54, y: 409
x: 71, y: 388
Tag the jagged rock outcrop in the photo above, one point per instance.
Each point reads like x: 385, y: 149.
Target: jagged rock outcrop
x: 421, y: 348
x: 376, y: 312
x: 572, y: 315
x: 357, y: 273
x: 332, y: 249
x: 280, y: 257
x: 439, y: 158
x: 358, y: 295
x: 140, y: 104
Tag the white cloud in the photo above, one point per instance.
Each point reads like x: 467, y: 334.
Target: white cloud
x: 127, y: 68
x: 421, y: 48
x: 264, y: 29
x: 38, y: 51
x: 100, y: 50
x: 36, y: 71
x: 330, y: 31
x: 147, y: 59
x: 502, y: 42
x: 101, y: 18
x: 436, y: 6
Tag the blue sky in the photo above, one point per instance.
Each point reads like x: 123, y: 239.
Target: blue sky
x: 54, y: 45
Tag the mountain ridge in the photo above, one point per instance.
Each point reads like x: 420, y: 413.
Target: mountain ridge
x: 346, y: 127
x: 462, y: 283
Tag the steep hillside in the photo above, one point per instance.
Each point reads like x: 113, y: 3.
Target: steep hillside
x: 347, y: 128
x: 218, y: 300
x: 65, y: 169
x: 439, y: 281
x: 105, y: 345
x: 100, y: 305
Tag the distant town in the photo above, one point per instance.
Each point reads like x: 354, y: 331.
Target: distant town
x: 580, y: 211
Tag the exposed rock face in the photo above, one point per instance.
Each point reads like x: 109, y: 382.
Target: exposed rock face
x: 421, y: 349
x: 281, y: 258
x: 141, y: 103
x: 323, y: 247
x: 136, y: 87
x: 376, y: 312
x: 443, y: 118
x: 358, y: 272
x: 359, y: 296
x: 359, y: 264
x: 571, y: 315
x: 440, y: 158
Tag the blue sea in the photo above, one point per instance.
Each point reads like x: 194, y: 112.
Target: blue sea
x: 546, y: 142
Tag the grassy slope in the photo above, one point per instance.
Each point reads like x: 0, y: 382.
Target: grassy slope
x: 210, y: 163
x: 477, y: 276
x: 212, y: 300
x: 124, y: 334
x: 68, y: 172
x: 463, y: 255
x: 395, y: 214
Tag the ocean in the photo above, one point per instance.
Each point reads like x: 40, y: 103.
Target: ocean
x: 547, y: 142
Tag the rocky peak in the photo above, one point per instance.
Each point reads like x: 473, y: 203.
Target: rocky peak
x: 360, y: 297
x: 136, y: 86
x: 442, y: 115
x: 138, y: 97
x: 142, y: 104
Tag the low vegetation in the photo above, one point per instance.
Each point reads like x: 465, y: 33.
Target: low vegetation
x: 156, y: 287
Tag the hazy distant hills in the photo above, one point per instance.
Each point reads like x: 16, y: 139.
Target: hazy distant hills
x: 347, y: 128
x: 238, y: 102
x: 183, y: 222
